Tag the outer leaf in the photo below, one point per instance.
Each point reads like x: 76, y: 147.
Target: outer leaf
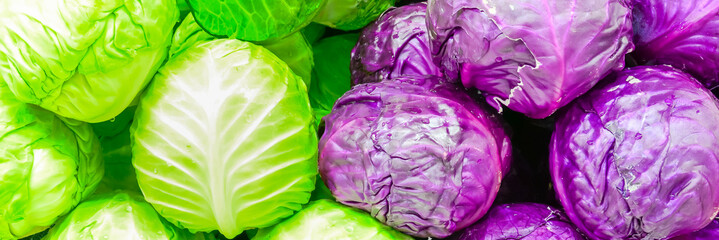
x: 184, y: 8
x: 118, y: 215
x: 532, y: 56
x: 331, y: 73
x: 296, y: 52
x: 395, y: 45
x: 418, y: 154
x: 254, y: 20
x: 47, y: 166
x: 188, y: 34
x: 85, y: 60
x: 329, y: 220
x: 710, y: 232
x: 224, y: 139
x: 313, y: 32
x: 684, y: 34
x: 351, y: 14
x: 293, y: 50
x: 523, y: 221
x: 638, y: 158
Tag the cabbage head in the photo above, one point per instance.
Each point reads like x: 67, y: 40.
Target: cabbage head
x: 638, y: 156
x: 254, y: 20
x: 296, y: 51
x: 329, y: 220
x: 47, y: 166
x: 85, y: 60
x: 395, y: 45
x: 187, y: 34
x: 531, y: 56
x: 680, y: 33
x: 351, y: 14
x: 118, y: 215
x: 224, y: 139
x: 418, y: 154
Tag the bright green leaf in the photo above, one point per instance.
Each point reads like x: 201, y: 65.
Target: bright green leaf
x: 224, y: 139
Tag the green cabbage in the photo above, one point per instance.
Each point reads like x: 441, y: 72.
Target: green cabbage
x: 296, y: 52
x: 293, y: 49
x: 85, y: 60
x: 351, y: 14
x: 118, y: 215
x: 329, y: 220
x: 224, y: 139
x: 331, y: 73
x: 47, y: 165
x: 254, y: 20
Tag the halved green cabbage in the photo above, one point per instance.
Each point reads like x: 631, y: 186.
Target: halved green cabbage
x: 47, y: 165
x: 224, y: 138
x: 186, y: 35
x: 85, y: 60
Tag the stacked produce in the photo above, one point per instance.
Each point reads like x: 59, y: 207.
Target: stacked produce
x: 359, y: 119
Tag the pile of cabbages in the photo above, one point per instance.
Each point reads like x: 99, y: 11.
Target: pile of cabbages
x: 359, y: 119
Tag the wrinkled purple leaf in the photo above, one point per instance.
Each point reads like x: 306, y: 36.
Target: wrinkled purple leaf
x: 523, y: 221
x: 532, y: 56
x: 638, y: 158
x: 681, y: 33
x: 394, y: 45
x: 418, y: 154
